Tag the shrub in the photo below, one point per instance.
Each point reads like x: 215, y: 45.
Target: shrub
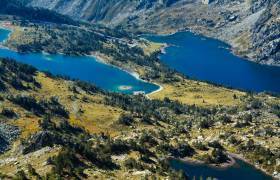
x: 131, y: 163
x: 225, y: 119
x: 247, y: 117
x: 89, y: 88
x: 218, y: 156
x: 200, y: 146
x: 65, y: 162
x: 205, y: 123
x: 256, y: 104
x: 9, y: 113
x: 32, y: 171
x: 29, y: 103
x: 17, y: 84
x: 215, y: 144
x: 184, y: 150
x: 20, y: 175
x: 126, y: 119
x: 233, y: 140
x: 148, y: 139
x: 55, y: 108
x: 2, y: 86
x: 276, y: 110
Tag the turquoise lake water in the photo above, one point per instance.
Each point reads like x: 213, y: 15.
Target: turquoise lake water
x: 80, y: 67
x: 240, y: 171
x: 210, y: 60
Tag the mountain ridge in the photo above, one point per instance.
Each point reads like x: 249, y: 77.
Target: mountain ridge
x: 214, y: 19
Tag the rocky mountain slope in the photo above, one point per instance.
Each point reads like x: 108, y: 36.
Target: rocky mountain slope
x: 266, y: 34
x: 99, y: 10
x: 242, y: 23
x: 17, y: 9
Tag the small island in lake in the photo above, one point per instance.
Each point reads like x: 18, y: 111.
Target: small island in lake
x: 124, y: 88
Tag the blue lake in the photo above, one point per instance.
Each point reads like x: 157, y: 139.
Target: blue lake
x: 81, y: 67
x: 210, y: 60
x: 241, y: 171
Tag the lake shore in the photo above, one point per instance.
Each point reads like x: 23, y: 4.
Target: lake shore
x: 202, y: 70
x: 9, y: 27
x: 226, y: 165
x: 163, y: 48
x: 242, y: 158
x: 101, y: 59
x: 233, y: 46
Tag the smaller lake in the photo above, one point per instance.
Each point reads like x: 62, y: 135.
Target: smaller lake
x: 240, y: 171
x: 81, y: 67
x: 210, y: 60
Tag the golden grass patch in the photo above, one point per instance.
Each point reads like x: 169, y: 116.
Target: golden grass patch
x: 199, y: 93
x: 150, y: 47
x: 28, y: 126
x: 93, y: 116
x: 97, y: 118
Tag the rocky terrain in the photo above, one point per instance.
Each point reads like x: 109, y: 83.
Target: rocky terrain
x: 8, y: 133
x: 266, y: 34
x: 250, y: 26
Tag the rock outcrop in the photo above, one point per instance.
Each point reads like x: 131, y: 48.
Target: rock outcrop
x: 8, y: 134
x: 266, y: 35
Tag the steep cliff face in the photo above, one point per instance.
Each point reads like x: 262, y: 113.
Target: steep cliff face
x: 250, y: 26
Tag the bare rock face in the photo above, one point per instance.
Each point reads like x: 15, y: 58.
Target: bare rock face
x: 100, y: 10
x: 256, y: 5
x: 266, y: 35
x: 8, y: 134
